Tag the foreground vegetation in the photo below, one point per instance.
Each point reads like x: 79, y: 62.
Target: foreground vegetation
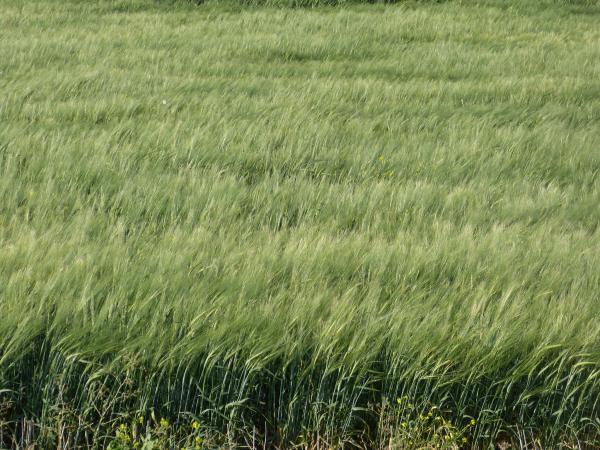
x: 370, y: 225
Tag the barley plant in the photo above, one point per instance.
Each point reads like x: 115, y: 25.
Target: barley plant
x: 299, y: 226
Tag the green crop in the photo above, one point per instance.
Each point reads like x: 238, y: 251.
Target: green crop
x: 277, y: 222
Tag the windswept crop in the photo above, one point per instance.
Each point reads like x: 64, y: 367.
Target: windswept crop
x: 370, y: 225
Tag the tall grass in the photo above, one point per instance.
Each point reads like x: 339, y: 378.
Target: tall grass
x: 278, y: 222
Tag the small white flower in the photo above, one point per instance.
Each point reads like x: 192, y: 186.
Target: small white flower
x: 164, y: 102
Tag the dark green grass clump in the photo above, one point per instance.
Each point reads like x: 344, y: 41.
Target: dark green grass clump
x: 372, y: 226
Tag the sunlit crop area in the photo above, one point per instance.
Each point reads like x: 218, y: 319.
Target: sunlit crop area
x: 265, y: 226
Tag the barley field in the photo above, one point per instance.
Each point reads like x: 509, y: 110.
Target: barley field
x: 298, y: 225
